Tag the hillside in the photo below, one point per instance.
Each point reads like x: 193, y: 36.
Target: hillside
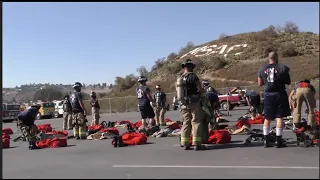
x: 25, y: 93
x: 234, y: 60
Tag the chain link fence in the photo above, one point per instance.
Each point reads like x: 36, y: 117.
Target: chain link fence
x: 130, y: 104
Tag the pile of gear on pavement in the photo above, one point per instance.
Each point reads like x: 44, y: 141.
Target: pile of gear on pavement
x: 46, y: 137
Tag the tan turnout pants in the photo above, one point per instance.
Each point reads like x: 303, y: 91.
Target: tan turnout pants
x: 307, y: 96
x: 191, y: 115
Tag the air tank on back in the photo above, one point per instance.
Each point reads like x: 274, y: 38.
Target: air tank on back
x: 180, y: 89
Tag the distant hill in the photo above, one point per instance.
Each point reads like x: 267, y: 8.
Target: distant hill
x: 234, y: 60
x: 25, y: 93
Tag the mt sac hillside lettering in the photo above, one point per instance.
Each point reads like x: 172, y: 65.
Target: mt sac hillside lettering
x: 215, y: 49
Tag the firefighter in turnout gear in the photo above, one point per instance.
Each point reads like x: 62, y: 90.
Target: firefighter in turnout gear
x: 95, y: 109
x: 67, y: 113
x: 189, y: 92
x: 79, y: 113
x: 160, y: 106
x: 303, y: 92
x: 145, y: 100
x: 26, y: 125
x: 208, y: 88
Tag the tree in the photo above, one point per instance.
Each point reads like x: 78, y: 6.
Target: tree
x: 187, y: 48
x: 290, y: 27
x: 47, y: 95
x: 222, y: 36
x: 172, y: 56
x: 142, y: 71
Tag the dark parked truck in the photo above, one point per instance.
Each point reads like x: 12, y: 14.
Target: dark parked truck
x: 10, y: 112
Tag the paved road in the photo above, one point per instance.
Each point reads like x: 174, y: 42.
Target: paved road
x: 162, y: 158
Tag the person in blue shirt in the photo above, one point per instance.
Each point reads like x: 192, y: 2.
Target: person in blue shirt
x: 26, y: 125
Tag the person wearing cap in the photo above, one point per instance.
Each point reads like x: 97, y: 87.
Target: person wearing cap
x: 208, y: 88
x: 160, y: 98
x: 253, y: 100
x: 303, y: 92
x: 95, y: 109
x: 144, y: 102
x: 67, y: 113
x: 79, y: 113
x: 191, y: 111
x: 26, y: 125
x: 274, y: 76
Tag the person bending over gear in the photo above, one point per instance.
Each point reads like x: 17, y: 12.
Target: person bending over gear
x: 79, y: 113
x: 160, y: 106
x: 274, y: 77
x: 144, y: 102
x: 67, y: 113
x: 208, y: 88
x: 214, y: 101
x: 254, y: 100
x: 26, y: 125
x: 95, y: 109
x: 304, y: 92
x: 189, y: 92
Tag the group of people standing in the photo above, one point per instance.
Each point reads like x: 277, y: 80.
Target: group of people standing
x: 74, y: 116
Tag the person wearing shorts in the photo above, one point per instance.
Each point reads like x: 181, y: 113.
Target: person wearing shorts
x: 145, y: 100
x: 274, y: 77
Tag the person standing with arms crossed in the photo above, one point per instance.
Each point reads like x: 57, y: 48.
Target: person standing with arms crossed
x: 67, y: 113
x: 95, y: 109
x: 189, y: 92
x: 274, y: 77
x: 160, y: 108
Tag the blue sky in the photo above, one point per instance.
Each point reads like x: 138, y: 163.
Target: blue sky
x: 95, y: 42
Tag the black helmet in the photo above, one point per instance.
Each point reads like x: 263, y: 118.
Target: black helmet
x: 205, y: 83
x: 188, y: 62
x: 35, y: 107
x: 306, y: 81
x: 66, y: 96
x: 93, y: 93
x: 142, y: 78
x: 77, y: 85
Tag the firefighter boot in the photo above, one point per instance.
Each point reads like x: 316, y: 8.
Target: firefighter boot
x: 267, y: 142
x: 120, y: 142
x: 279, y: 142
x: 200, y: 147
x: 187, y: 147
x: 112, y: 124
x: 115, y: 141
x: 32, y: 145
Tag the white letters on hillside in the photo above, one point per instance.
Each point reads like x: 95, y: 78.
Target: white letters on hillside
x: 214, y: 49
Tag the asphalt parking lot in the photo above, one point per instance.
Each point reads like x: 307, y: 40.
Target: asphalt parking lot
x: 162, y: 158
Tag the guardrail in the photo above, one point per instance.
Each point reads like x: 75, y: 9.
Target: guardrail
x: 129, y: 103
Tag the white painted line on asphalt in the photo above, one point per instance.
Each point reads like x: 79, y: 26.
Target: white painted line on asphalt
x: 216, y: 167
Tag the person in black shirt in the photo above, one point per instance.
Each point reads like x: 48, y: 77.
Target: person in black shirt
x: 144, y: 101
x: 191, y: 111
x: 253, y: 100
x: 274, y: 77
x: 79, y: 113
x: 26, y: 125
